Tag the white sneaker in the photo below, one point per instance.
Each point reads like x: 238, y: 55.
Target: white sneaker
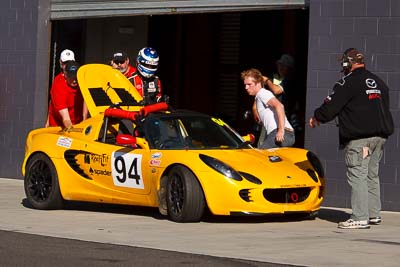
x: 375, y: 220
x: 352, y: 224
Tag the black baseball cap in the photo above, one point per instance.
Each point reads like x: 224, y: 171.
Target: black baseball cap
x: 71, y: 68
x: 120, y: 56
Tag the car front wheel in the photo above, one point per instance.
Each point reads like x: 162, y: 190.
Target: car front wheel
x: 185, y: 198
x: 41, y: 183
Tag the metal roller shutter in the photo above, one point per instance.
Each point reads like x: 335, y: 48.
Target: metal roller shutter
x: 77, y: 9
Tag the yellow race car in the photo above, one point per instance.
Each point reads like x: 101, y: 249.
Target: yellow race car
x: 180, y: 161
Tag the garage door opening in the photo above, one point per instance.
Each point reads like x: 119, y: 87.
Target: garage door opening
x: 201, y: 55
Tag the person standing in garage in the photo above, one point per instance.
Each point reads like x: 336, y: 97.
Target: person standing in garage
x: 361, y: 102
x: 65, y: 57
x: 120, y: 61
x: 279, y: 132
x: 282, y: 85
x: 144, y: 79
x: 67, y: 106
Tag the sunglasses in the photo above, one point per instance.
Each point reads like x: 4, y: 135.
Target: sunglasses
x: 119, y: 61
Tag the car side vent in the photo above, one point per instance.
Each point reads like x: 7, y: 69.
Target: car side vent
x: 287, y: 195
x: 69, y: 156
x: 250, y: 178
x: 245, y: 195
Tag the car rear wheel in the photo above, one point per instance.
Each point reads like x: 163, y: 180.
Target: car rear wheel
x: 185, y: 198
x: 41, y: 183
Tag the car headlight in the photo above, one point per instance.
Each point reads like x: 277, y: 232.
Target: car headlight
x: 221, y: 167
x: 316, y: 163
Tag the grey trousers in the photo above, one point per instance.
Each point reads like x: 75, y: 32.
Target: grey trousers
x: 269, y: 140
x: 362, y: 159
x: 261, y: 139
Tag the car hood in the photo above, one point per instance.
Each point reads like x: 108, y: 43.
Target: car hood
x: 280, y: 167
x: 103, y: 86
x: 284, y: 167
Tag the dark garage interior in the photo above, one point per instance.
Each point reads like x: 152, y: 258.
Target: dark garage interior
x: 202, y: 55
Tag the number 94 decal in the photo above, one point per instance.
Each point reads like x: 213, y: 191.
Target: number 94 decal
x: 127, y: 170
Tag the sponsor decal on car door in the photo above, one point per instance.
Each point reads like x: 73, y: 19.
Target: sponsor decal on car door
x: 121, y: 169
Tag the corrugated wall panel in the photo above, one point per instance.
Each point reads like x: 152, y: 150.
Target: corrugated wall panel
x: 229, y: 51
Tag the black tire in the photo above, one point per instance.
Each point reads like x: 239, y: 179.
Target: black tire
x: 41, y: 183
x: 185, y: 198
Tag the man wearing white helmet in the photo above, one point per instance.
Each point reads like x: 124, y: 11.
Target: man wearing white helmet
x: 144, y: 78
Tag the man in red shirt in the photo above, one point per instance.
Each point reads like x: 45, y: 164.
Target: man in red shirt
x: 65, y: 56
x: 67, y: 106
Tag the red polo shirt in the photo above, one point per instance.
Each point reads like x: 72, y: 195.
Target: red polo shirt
x: 63, y: 96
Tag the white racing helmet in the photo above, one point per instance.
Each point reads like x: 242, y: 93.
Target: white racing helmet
x: 147, y: 62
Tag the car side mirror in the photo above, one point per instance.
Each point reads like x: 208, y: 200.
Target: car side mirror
x: 250, y: 138
x: 126, y: 140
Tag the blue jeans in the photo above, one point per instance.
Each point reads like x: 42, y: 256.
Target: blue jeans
x: 362, y: 159
x: 270, y: 142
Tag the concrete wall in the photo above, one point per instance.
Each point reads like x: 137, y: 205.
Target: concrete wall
x: 374, y: 28
x: 23, y: 59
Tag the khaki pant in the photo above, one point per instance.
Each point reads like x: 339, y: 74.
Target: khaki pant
x: 362, y: 159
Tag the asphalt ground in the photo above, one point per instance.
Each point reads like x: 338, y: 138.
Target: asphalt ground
x: 20, y: 249
x: 236, y: 241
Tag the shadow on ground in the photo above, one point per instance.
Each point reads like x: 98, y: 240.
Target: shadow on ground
x: 331, y: 215
x: 107, y: 208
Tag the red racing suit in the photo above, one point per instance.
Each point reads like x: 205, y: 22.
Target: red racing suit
x: 148, y: 88
x: 129, y: 71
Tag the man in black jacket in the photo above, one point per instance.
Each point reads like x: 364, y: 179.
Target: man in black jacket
x: 361, y: 102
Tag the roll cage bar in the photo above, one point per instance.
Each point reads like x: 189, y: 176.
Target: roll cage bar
x: 115, y: 111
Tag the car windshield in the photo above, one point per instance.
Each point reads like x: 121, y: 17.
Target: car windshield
x: 192, y: 132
